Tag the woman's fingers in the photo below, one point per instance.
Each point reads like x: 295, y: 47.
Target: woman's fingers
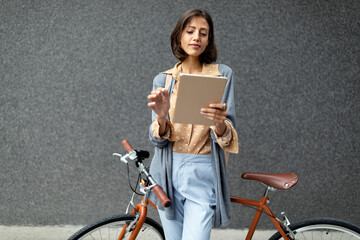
x: 158, y: 97
x: 159, y: 94
x: 151, y: 105
x: 153, y: 96
x: 215, y: 112
x: 221, y: 106
x: 159, y: 101
x: 215, y: 117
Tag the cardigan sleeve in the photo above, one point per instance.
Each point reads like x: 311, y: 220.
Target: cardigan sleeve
x: 156, y: 129
x: 157, y: 141
x: 229, y: 140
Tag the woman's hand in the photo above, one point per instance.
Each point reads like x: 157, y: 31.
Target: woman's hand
x: 217, y: 113
x: 159, y: 102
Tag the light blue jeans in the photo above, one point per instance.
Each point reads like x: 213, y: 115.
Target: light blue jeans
x: 194, y: 202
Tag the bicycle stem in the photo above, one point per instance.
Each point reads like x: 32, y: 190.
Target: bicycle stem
x: 143, y: 169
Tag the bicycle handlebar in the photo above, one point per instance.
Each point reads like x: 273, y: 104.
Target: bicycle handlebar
x: 127, y: 145
x: 165, y: 201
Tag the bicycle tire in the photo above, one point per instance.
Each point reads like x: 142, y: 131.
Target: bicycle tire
x: 322, y: 228
x: 110, y: 228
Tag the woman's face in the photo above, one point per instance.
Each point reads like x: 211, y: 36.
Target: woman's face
x: 195, y: 36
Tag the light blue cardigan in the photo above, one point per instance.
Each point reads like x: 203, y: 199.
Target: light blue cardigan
x: 161, y: 164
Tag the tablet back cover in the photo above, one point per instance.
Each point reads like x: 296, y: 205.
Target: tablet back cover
x: 195, y: 92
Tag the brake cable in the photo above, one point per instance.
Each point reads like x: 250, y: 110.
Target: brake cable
x: 137, y: 181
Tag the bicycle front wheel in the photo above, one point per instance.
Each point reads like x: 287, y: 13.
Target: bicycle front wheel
x: 322, y: 228
x: 110, y: 228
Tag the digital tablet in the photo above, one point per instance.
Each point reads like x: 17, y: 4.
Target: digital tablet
x: 195, y: 92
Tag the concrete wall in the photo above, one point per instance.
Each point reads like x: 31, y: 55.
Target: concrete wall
x: 74, y: 81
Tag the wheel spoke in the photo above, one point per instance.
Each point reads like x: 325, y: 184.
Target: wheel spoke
x: 323, y: 229
x: 110, y: 229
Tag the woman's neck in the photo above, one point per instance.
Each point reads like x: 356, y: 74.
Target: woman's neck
x: 191, y: 65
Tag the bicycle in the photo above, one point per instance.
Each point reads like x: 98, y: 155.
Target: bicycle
x: 137, y: 225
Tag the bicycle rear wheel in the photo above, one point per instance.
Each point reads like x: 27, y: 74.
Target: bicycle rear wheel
x: 110, y: 228
x: 322, y: 228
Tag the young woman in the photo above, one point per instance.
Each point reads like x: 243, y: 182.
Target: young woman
x: 189, y: 160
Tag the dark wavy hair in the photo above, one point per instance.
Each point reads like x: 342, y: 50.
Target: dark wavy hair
x: 210, y: 53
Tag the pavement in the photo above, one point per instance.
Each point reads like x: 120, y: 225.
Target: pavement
x: 64, y: 232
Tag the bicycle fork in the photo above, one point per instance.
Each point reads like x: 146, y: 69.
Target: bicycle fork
x: 140, y: 212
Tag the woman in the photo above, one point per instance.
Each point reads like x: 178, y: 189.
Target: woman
x: 189, y: 160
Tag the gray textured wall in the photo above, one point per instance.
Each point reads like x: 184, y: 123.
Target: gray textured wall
x: 74, y: 81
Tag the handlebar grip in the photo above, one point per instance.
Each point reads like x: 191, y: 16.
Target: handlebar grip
x: 127, y: 145
x: 165, y: 201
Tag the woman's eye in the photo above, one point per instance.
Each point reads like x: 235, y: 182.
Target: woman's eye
x: 203, y: 34
x: 190, y: 32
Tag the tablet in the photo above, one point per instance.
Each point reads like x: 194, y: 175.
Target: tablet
x: 195, y: 92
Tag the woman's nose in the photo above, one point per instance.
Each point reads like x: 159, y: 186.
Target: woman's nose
x: 197, y: 36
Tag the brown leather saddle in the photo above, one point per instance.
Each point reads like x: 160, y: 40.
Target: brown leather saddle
x: 281, y: 181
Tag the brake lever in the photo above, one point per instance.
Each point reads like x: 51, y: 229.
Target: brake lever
x: 122, y: 158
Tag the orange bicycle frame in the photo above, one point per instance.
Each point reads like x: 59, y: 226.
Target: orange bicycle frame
x: 261, y: 207
x: 142, y: 209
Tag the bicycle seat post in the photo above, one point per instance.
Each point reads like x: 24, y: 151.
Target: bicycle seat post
x: 267, y: 190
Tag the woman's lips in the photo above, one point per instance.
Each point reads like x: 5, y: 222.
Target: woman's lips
x: 195, y: 45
